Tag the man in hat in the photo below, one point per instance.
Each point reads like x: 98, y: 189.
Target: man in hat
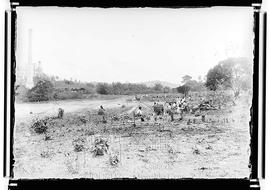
x: 101, y: 112
x: 139, y: 113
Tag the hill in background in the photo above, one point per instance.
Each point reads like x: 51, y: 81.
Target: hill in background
x: 163, y: 83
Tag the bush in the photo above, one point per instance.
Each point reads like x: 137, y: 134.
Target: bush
x: 103, y: 88
x: 67, y: 94
x: 184, y: 89
x: 78, y: 144
x: 42, y: 91
x: 113, y: 159
x: 21, y: 92
x: 219, y: 75
x: 234, y: 73
x: 40, y: 126
x: 46, y: 154
x: 100, y: 147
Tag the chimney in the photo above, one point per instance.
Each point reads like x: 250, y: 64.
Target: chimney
x: 30, y: 66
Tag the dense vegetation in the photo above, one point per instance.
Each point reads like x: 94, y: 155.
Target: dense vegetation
x: 233, y: 73
x: 47, y: 89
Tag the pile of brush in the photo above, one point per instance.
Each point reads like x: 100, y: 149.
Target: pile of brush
x: 115, y: 118
x: 207, y: 105
x: 100, y: 147
x: 40, y: 126
x: 78, y: 144
x: 114, y: 160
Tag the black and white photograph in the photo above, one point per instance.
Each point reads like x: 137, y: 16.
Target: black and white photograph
x: 133, y: 93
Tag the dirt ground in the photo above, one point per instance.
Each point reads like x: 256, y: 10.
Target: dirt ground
x: 216, y: 148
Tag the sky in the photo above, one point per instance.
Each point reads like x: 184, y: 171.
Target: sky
x: 134, y: 44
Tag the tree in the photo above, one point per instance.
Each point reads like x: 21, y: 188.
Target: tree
x: 241, y: 74
x: 42, y: 91
x: 166, y: 89
x: 190, y: 85
x: 184, y: 89
x: 68, y: 82
x: 40, y: 77
x: 186, y: 78
x: 21, y: 92
x: 103, y: 88
x: 158, y: 87
x: 195, y: 85
x: 117, y: 88
x: 221, y: 74
x: 234, y: 73
x: 200, y: 78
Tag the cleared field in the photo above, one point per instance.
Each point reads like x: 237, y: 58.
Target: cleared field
x: 23, y: 110
x: 215, y: 148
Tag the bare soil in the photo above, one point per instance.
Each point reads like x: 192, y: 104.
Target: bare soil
x: 216, y: 148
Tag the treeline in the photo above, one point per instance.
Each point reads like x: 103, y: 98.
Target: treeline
x: 47, y: 88
x: 190, y: 85
x: 234, y: 74
x: 231, y: 74
x: 127, y: 88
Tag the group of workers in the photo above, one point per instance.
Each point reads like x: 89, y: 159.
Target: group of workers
x: 176, y: 107
x: 170, y: 108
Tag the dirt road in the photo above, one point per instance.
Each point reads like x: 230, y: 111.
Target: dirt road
x: 24, y: 110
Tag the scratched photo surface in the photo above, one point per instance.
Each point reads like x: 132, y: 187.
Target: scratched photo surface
x: 133, y: 93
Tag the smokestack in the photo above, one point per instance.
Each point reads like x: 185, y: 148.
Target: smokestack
x: 30, y: 46
x: 30, y: 82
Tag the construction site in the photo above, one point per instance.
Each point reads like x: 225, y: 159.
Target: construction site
x: 203, y: 135
x: 137, y: 94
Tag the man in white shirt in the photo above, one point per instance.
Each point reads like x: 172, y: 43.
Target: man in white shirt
x: 139, y: 112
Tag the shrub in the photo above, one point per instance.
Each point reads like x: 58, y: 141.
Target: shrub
x: 113, y: 160
x: 184, y: 89
x: 42, y: 91
x: 234, y: 73
x: 67, y: 94
x: 21, y: 92
x: 40, y: 126
x: 103, y: 88
x: 78, y: 144
x: 100, y: 147
x: 46, y: 154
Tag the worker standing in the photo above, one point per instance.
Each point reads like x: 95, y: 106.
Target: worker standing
x: 101, y: 112
x: 139, y: 113
x: 170, y: 111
